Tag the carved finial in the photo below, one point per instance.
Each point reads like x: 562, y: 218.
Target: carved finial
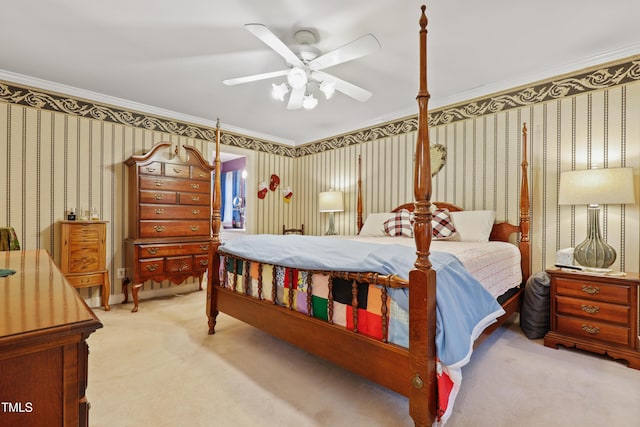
x: 218, y: 123
x: 423, y: 18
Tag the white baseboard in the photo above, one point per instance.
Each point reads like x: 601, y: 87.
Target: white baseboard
x: 96, y: 302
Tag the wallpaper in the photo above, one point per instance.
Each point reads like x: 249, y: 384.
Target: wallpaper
x: 59, y: 152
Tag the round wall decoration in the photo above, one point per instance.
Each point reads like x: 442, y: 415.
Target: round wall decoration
x: 438, y: 158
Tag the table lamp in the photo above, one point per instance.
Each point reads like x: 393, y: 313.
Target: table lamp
x: 331, y: 201
x: 596, y: 187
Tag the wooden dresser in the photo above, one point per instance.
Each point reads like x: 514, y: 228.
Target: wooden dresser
x: 597, y: 313
x: 83, y: 259
x: 170, y: 236
x: 44, y: 325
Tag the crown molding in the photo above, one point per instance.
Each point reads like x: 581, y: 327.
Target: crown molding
x: 46, y: 95
x: 91, y: 96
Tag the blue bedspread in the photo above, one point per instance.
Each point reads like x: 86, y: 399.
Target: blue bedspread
x: 464, y: 307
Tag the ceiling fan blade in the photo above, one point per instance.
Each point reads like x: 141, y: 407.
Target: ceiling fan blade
x: 255, y: 77
x: 270, y: 39
x: 295, y: 99
x: 355, y: 92
x: 358, y: 48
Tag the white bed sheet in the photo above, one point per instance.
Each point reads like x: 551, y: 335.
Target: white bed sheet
x: 496, y: 265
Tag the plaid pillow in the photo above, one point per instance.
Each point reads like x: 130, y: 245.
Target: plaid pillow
x: 442, y: 225
x: 401, y: 224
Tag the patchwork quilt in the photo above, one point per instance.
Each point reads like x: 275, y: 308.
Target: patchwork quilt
x: 291, y: 270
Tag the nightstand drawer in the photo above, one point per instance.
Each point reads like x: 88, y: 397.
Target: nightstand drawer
x: 590, y: 309
x: 86, y: 280
x: 593, y: 290
x: 593, y: 329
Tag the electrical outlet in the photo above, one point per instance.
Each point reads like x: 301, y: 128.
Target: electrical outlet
x: 121, y: 273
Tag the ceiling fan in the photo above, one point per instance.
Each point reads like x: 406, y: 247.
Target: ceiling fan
x: 304, y: 70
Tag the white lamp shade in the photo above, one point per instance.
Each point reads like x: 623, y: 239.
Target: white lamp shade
x: 328, y: 88
x: 331, y: 201
x: 596, y: 187
x: 309, y: 102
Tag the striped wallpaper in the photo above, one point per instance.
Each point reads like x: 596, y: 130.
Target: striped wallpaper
x: 58, y: 152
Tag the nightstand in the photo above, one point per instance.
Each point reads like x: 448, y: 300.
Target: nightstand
x: 83, y: 258
x: 597, y: 313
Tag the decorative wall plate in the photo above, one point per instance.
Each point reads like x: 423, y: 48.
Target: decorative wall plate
x: 438, y: 158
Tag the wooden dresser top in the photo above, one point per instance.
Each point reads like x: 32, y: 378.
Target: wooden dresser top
x: 37, y: 299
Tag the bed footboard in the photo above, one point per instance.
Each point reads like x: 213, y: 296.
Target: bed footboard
x: 285, y: 303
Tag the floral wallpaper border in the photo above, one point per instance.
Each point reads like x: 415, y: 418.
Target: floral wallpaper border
x: 602, y: 77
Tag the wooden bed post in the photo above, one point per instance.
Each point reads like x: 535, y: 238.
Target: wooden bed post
x: 359, y: 212
x: 422, y: 279
x: 525, y: 207
x: 214, y: 271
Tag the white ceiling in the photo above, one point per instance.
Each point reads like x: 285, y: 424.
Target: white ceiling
x: 169, y: 57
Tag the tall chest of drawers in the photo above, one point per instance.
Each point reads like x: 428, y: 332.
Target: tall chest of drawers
x: 170, y: 236
x: 597, y: 313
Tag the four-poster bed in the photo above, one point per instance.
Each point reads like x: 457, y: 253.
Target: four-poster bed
x: 293, y: 311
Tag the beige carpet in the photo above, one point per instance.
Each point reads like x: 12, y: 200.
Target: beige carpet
x: 158, y: 367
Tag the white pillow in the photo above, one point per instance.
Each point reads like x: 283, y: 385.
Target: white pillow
x: 473, y: 226
x: 374, y: 224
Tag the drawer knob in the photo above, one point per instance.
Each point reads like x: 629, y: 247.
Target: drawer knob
x: 158, y: 196
x: 194, y: 227
x: 177, y: 170
x: 204, y: 247
x: 591, y: 290
x: 159, y: 228
x: 593, y: 330
x: 195, y: 198
x: 204, y: 262
x: 152, y: 251
x: 195, y: 186
x: 201, y: 175
x: 591, y: 309
x: 195, y: 211
x: 159, y: 211
x: 151, y: 169
x: 152, y: 267
x: 158, y: 183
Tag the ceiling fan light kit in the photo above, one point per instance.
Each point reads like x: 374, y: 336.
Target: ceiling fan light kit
x: 297, y: 78
x: 328, y: 88
x: 279, y: 91
x: 303, y: 73
x: 309, y: 102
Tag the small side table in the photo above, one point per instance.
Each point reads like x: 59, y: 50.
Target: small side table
x: 597, y: 313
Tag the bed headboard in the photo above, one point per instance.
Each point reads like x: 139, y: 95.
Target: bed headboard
x: 501, y: 231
